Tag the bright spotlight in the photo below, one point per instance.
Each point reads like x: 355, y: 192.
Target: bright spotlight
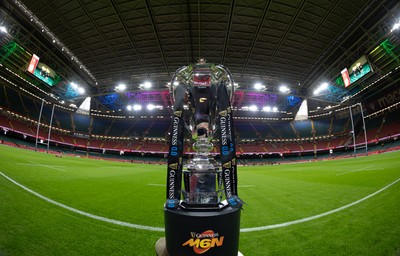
x: 120, y: 87
x: 137, y: 107
x: 176, y: 83
x: 74, y: 85
x: 81, y: 90
x: 267, y: 109
x: 259, y: 86
x: 274, y: 109
x: 150, y: 107
x: 284, y: 89
x: 3, y: 29
x: 147, y: 85
x: 253, y: 108
x: 395, y: 26
x: 129, y: 107
x: 321, y: 88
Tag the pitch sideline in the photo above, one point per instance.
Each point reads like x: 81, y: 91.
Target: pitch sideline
x: 149, y: 228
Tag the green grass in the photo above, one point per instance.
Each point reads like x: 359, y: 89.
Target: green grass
x: 273, y: 194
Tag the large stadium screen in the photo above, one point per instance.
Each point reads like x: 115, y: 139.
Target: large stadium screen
x: 359, y: 69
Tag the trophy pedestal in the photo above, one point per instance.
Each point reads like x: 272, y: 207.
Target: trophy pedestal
x: 205, y: 232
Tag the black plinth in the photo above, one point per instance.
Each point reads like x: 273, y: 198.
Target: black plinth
x: 206, y: 232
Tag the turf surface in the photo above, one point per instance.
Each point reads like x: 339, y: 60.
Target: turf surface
x: 135, y: 193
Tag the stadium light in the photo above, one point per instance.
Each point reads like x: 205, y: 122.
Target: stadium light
x: 395, y: 26
x: 146, y: 85
x: 129, y: 107
x: 120, y: 87
x: 137, y: 107
x: 253, y: 108
x: 151, y: 107
x: 74, y: 86
x: 284, y: 89
x: 3, y: 29
x: 274, y: 109
x: 259, y: 86
x: 81, y: 90
x: 321, y: 88
x: 267, y: 109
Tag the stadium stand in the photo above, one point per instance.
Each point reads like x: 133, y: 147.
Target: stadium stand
x: 86, y: 134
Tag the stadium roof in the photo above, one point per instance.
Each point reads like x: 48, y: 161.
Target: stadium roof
x: 297, y: 43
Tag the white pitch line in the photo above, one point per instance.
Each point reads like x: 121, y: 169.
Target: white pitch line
x: 116, y: 222
x: 150, y: 228
x: 318, y: 215
x: 245, y: 186
x: 357, y: 170
x: 156, y: 185
x: 48, y: 166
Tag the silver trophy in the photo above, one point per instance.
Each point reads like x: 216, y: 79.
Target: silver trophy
x: 202, y: 176
x: 202, y: 209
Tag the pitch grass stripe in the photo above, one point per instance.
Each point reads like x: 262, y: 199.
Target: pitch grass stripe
x: 116, y: 222
x: 136, y: 226
x: 318, y: 215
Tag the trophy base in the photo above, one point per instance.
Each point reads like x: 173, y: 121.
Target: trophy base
x: 213, y: 232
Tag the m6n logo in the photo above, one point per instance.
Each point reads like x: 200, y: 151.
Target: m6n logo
x: 204, y: 241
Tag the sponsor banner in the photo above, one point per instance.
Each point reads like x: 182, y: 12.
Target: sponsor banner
x: 384, y: 101
x: 174, y: 176
x: 227, y: 143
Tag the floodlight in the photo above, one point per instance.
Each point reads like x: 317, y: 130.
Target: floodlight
x: 395, y: 26
x: 259, y: 86
x: 324, y: 86
x: 147, y: 85
x: 267, y: 109
x: 120, y: 87
x: 321, y: 88
x: 74, y: 85
x: 81, y: 90
x: 275, y: 109
x: 3, y: 29
x: 150, y: 106
x: 284, y: 89
x: 129, y: 107
x: 253, y: 108
x: 137, y: 107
